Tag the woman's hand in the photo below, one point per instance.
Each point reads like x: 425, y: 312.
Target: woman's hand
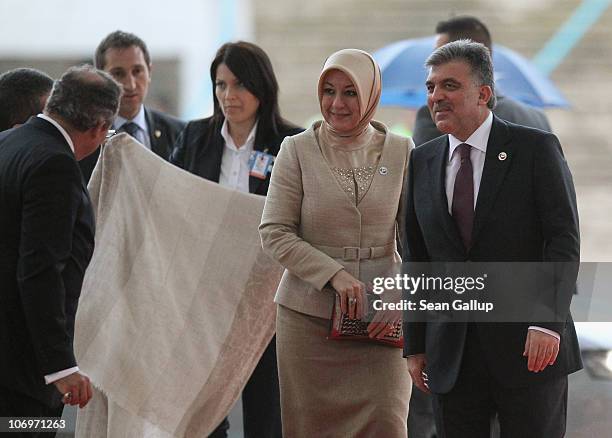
x: 352, y: 294
x: 383, y: 323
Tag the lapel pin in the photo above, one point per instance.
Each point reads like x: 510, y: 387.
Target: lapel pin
x: 383, y: 170
x: 157, y: 133
x: 502, y: 156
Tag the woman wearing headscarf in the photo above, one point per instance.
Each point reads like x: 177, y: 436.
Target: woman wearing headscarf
x: 330, y: 219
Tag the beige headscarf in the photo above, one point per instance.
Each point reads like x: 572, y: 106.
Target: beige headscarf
x: 365, y: 74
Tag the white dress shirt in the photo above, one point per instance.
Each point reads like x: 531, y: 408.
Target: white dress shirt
x: 478, y: 141
x: 235, y: 161
x: 142, y: 135
x: 50, y: 378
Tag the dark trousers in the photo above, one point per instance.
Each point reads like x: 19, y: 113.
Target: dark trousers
x: 534, y: 411
x: 420, y: 415
x: 14, y: 404
x: 260, y: 401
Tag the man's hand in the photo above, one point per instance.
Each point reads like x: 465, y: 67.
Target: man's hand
x: 78, y: 386
x: 416, y: 365
x: 541, y: 349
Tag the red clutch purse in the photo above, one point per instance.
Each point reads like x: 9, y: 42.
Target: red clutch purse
x: 344, y: 328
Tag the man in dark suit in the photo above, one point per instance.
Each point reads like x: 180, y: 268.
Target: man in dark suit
x: 126, y: 57
x: 23, y: 93
x: 420, y: 420
x: 471, y: 28
x: 489, y: 191
x: 46, y: 242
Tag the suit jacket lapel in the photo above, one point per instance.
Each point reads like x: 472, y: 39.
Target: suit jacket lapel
x: 437, y: 175
x: 495, y: 168
x: 155, y: 146
x: 212, y: 153
x: 155, y: 135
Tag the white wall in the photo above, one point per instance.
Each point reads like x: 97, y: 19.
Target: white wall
x: 191, y: 30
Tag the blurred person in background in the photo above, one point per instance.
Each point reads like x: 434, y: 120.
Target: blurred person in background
x: 46, y: 243
x: 23, y: 93
x: 471, y: 28
x: 236, y: 147
x: 126, y: 57
x: 335, y: 188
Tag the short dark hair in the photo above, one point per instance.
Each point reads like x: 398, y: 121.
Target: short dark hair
x: 85, y: 97
x: 119, y: 40
x: 252, y: 66
x: 21, y: 95
x: 476, y: 55
x: 465, y: 27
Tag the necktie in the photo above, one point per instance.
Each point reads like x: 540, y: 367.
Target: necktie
x: 463, y: 196
x: 130, y: 128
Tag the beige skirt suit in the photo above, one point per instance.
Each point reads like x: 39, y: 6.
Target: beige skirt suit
x: 314, y: 225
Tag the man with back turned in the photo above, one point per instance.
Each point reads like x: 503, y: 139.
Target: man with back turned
x: 23, y: 93
x: 46, y: 243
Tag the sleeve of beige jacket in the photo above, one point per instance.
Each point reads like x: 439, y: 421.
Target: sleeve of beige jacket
x: 281, y: 219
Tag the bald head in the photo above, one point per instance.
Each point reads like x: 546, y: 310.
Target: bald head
x: 84, y: 97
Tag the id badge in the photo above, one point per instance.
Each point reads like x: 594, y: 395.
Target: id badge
x: 260, y: 164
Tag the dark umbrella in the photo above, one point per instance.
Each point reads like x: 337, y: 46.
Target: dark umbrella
x: 404, y: 75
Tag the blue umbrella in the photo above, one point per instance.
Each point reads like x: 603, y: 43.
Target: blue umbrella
x: 404, y: 75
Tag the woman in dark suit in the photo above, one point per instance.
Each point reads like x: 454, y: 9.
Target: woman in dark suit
x: 246, y: 120
x: 236, y: 147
